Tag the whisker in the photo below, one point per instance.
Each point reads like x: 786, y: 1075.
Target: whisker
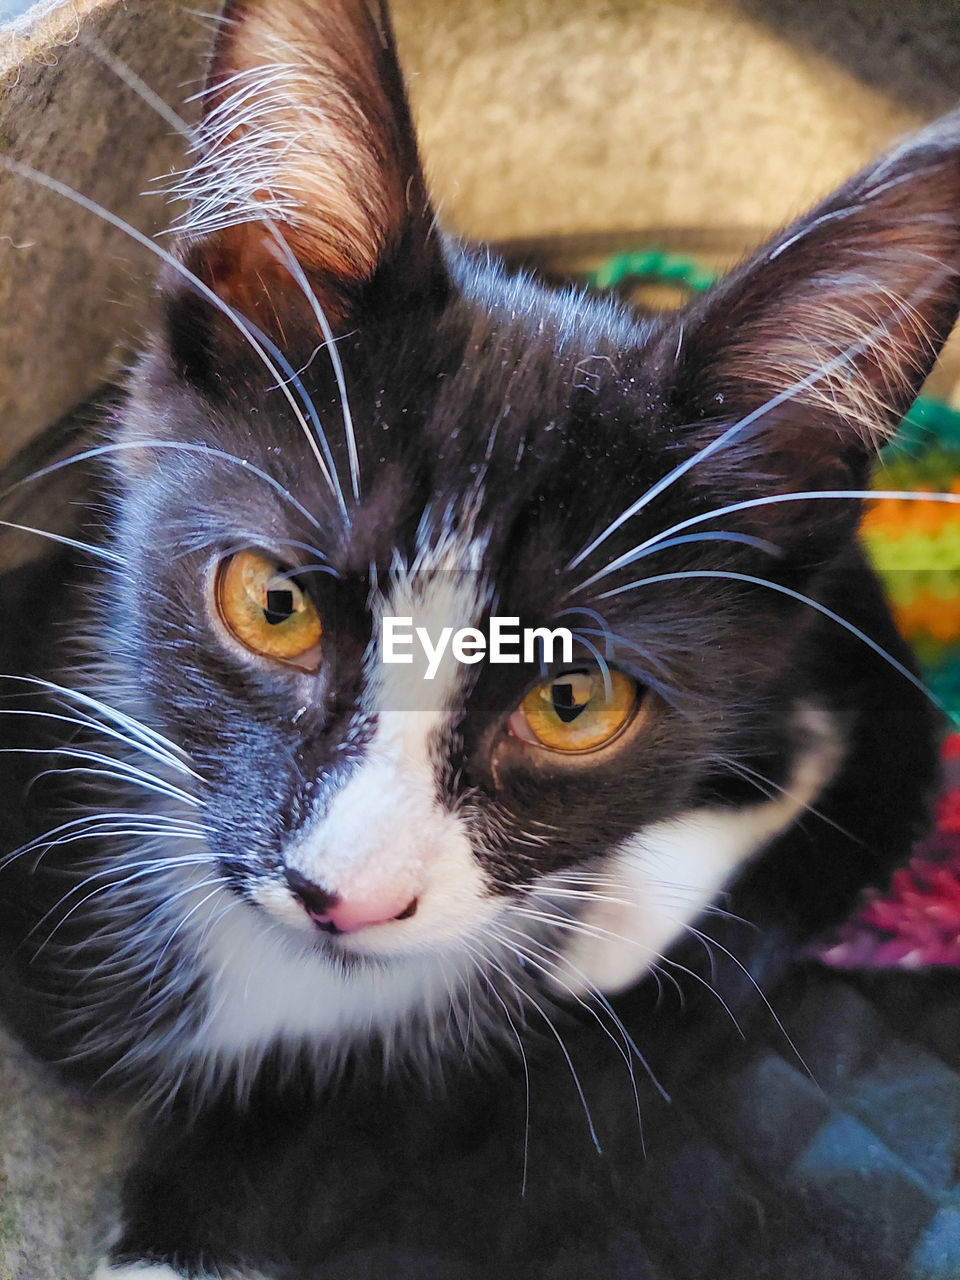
x: 574, y: 925
x: 134, y: 82
x: 756, y: 986
x: 103, y: 830
x: 479, y: 960
x: 749, y: 774
x: 118, y: 770
x: 91, y: 206
x: 730, y: 575
x: 596, y: 994
x: 843, y: 358
x: 119, y: 446
x: 148, y: 738
x: 88, y: 548
x: 89, y: 723
x: 109, y: 887
x: 111, y: 761
x: 521, y: 991
x: 217, y: 882
x: 331, y: 345
x: 749, y: 504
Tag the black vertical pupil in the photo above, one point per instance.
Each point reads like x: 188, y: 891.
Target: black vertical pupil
x: 279, y: 605
x: 564, y: 705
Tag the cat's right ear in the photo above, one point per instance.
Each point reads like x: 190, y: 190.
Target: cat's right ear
x: 307, y: 161
x: 798, y: 366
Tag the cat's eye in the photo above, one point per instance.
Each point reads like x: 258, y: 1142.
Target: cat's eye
x: 264, y: 608
x: 578, y: 710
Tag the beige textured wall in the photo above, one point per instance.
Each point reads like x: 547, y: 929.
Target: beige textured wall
x: 551, y: 115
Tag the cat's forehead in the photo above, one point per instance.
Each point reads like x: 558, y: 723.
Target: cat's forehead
x: 487, y: 421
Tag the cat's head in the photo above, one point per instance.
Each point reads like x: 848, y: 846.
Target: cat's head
x: 341, y: 419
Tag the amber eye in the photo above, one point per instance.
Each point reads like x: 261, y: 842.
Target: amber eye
x: 265, y: 609
x: 576, y: 711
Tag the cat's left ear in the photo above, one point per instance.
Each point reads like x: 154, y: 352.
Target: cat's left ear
x: 307, y: 142
x: 820, y: 342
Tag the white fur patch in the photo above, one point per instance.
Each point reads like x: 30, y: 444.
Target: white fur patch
x: 386, y: 834
x: 664, y: 876
x: 268, y: 986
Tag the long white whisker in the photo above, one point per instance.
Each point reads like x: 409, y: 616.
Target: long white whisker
x: 88, y: 548
x: 217, y: 882
x: 142, y: 748
x: 117, y: 769
x: 563, y: 1048
x: 480, y: 959
x: 147, y: 738
x: 745, y: 772
x: 749, y: 504
x: 559, y: 960
x: 331, y: 345
x: 109, y: 887
x: 82, y: 722
x: 730, y: 575
x: 573, y: 925
x: 119, y: 446
x: 756, y: 986
x: 842, y: 359
x: 97, y: 825
x: 143, y: 90
x: 91, y: 206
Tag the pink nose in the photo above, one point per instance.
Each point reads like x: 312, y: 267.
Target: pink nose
x: 350, y: 915
x: 334, y: 914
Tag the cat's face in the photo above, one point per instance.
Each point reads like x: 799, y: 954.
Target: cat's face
x: 471, y: 446
x: 492, y: 444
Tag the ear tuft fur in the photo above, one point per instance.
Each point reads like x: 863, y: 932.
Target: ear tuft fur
x: 848, y: 308
x: 306, y: 127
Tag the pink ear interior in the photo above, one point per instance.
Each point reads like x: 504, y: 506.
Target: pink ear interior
x: 307, y: 128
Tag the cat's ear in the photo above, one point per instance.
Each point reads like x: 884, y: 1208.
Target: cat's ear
x: 820, y: 342
x: 307, y: 142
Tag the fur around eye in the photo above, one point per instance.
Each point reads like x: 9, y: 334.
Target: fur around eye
x: 576, y: 711
x: 261, y: 605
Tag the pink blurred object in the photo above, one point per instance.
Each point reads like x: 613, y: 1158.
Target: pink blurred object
x: 916, y: 922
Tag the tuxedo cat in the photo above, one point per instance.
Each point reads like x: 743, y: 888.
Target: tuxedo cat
x: 243, y: 852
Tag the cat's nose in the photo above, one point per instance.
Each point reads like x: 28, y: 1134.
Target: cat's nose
x: 317, y: 901
x: 334, y: 914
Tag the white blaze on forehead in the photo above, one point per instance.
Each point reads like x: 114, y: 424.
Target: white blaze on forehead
x: 387, y: 831
x: 444, y: 589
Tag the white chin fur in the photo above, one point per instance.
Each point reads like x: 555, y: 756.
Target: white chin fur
x: 267, y: 987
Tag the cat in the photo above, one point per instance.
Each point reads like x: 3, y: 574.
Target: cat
x: 251, y: 856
